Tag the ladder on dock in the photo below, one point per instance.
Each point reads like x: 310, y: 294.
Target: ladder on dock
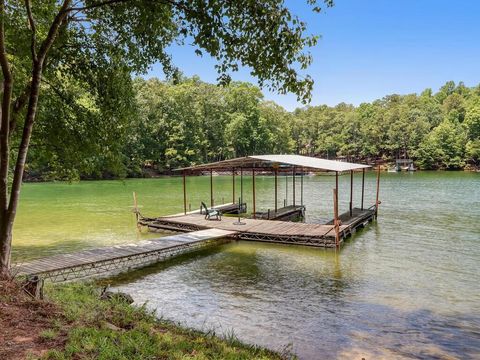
x: 120, y: 258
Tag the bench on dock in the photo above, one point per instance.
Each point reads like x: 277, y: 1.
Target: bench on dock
x: 209, y: 213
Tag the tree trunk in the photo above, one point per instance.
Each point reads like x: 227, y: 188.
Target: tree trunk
x: 5, y: 241
x: 5, y: 249
x: 7, y: 214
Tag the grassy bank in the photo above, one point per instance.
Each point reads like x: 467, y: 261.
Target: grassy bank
x: 75, y: 324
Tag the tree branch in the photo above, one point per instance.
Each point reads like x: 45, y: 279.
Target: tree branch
x: 56, y: 89
x: 31, y: 23
x: 53, y: 31
x: 96, y: 5
x: 18, y: 105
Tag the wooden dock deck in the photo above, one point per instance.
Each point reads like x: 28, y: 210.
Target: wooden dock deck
x: 320, y: 235
x: 120, y: 258
x: 195, y: 232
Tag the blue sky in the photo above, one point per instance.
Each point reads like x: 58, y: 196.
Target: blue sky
x: 373, y: 48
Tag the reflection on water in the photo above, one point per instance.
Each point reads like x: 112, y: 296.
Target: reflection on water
x: 405, y: 287
x: 276, y: 295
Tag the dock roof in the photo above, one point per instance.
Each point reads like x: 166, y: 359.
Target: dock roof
x: 279, y: 161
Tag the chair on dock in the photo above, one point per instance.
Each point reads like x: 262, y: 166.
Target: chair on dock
x: 209, y: 213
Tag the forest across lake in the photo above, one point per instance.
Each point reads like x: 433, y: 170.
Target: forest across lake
x: 165, y: 125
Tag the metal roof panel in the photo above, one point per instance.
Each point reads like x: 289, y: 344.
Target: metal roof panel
x: 270, y: 161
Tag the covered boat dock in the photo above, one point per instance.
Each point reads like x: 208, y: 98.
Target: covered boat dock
x: 271, y: 226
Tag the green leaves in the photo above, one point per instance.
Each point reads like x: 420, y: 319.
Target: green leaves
x: 444, y: 147
x: 431, y: 128
x: 101, y: 44
x: 262, y: 36
x: 193, y: 122
x: 116, y: 130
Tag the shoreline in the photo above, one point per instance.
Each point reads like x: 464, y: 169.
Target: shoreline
x: 383, y: 168
x: 74, y: 322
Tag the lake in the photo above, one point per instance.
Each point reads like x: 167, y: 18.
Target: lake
x: 406, y: 286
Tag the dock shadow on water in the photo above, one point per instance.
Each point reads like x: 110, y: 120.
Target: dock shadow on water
x: 275, y: 295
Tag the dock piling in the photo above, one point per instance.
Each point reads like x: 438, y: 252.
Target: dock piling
x: 211, y: 187
x: 301, y: 187
x: 135, y: 206
x: 363, y: 186
x: 351, y: 192
x: 286, y: 188
x: 378, y: 191
x: 336, y: 187
x: 335, y: 218
x: 233, y: 185
x: 293, y: 186
x: 276, y: 188
x: 241, y: 185
x: 253, y: 185
x: 184, y: 194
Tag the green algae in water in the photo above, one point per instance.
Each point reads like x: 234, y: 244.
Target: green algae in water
x: 405, y: 287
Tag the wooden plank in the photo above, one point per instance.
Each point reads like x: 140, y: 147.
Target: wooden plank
x: 274, y: 227
x: 91, y: 256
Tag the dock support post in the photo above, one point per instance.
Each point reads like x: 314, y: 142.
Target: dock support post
x: 276, y: 190
x: 285, y: 202
x: 233, y: 185
x: 363, y: 185
x: 301, y: 187
x: 135, y: 206
x: 253, y: 185
x: 336, y: 187
x: 211, y: 188
x: 241, y: 185
x: 351, y: 193
x: 184, y: 194
x: 335, y: 218
x: 378, y: 191
x: 293, y: 186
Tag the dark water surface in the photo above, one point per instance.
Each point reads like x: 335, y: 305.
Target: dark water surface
x: 405, y: 287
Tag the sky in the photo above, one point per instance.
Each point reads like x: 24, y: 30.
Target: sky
x: 369, y: 49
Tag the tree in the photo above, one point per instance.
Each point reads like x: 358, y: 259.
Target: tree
x: 472, y: 121
x: 278, y: 123
x: 246, y: 131
x: 444, y: 147
x: 94, y: 126
x: 472, y: 151
x: 84, y: 38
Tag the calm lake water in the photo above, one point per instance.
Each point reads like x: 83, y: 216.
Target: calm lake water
x: 404, y: 287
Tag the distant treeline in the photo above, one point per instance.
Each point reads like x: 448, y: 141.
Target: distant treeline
x: 148, y: 126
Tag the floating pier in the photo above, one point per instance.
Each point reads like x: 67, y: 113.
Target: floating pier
x: 198, y: 232
x: 285, y: 232
x: 273, y: 225
x: 120, y: 258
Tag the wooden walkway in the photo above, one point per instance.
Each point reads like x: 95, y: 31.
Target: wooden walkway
x: 321, y: 235
x: 121, y: 258
x: 197, y: 233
